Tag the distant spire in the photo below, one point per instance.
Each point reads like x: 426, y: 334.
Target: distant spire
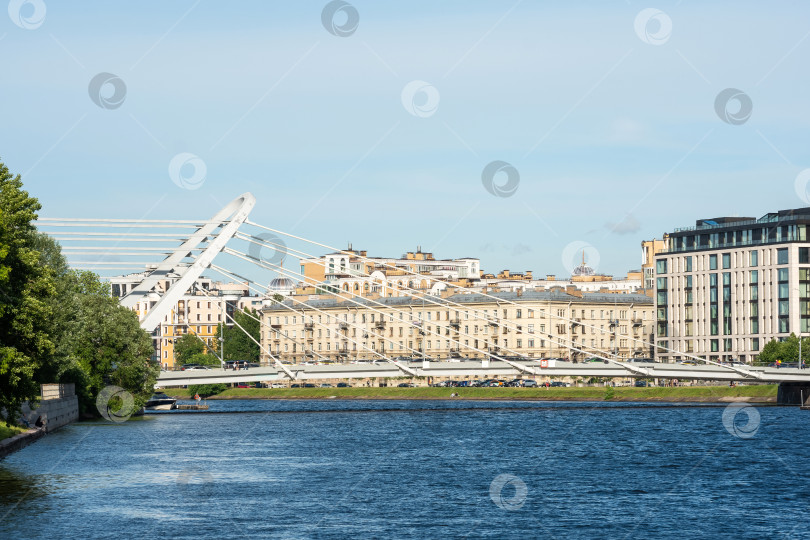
x: 583, y: 256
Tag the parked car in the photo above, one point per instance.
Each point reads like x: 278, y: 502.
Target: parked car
x: 558, y: 384
x: 243, y: 386
x: 641, y: 384
x: 325, y: 385
x: 196, y: 367
x: 308, y: 385
x: 278, y: 385
x: 594, y: 360
x: 295, y: 385
x: 642, y: 360
x: 529, y: 383
x: 343, y: 385
x: 188, y: 366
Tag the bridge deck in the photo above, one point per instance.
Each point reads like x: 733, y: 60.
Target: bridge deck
x: 482, y: 370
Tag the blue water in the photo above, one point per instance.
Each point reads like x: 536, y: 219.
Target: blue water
x: 417, y: 469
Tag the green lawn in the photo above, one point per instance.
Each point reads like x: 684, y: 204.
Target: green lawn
x: 684, y: 393
x: 9, y: 431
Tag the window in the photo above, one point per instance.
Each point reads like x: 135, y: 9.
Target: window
x: 661, y: 266
x: 782, y: 256
x: 712, y: 262
x: 688, y: 264
x: 753, y: 257
x: 726, y: 260
x: 804, y: 255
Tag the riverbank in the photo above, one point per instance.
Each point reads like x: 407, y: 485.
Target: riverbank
x: 15, y: 438
x: 708, y: 394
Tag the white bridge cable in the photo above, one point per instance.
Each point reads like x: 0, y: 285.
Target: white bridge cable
x: 304, y: 317
x: 520, y: 367
x: 270, y: 354
x: 444, y: 303
x: 231, y: 275
x: 258, y: 319
x: 566, y: 319
x: 438, y: 301
x: 154, y: 222
x: 280, y: 269
x: 329, y: 316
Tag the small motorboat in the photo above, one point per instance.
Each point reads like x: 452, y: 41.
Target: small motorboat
x: 160, y: 402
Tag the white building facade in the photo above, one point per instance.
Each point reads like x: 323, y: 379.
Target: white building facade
x: 727, y: 286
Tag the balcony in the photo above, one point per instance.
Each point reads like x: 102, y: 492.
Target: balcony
x: 379, y: 324
x: 638, y: 322
x: 343, y: 326
x: 309, y: 326
x: 455, y: 323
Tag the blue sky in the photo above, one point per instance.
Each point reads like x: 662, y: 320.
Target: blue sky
x: 615, y: 139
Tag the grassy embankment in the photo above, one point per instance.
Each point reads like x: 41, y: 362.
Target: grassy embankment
x: 9, y: 431
x: 759, y: 394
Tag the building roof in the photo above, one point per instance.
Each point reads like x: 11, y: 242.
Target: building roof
x: 470, y: 298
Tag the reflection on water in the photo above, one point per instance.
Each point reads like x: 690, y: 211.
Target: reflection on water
x: 413, y: 469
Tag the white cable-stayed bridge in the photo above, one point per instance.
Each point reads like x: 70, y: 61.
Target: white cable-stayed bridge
x: 185, y: 249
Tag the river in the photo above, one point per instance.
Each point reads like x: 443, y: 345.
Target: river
x: 417, y: 469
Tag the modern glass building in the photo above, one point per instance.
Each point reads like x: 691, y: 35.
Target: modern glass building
x: 728, y: 285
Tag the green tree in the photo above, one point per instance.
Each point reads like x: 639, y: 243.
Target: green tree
x: 206, y: 390
x: 109, y: 343
x: 786, y: 351
x: 204, y: 360
x: 237, y: 344
x: 26, y: 286
x: 186, y: 346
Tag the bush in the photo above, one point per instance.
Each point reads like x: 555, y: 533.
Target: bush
x: 206, y: 390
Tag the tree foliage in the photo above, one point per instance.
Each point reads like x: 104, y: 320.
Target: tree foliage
x: 58, y: 324
x: 186, y: 346
x: 205, y: 390
x: 237, y: 345
x: 785, y: 351
x: 26, y: 286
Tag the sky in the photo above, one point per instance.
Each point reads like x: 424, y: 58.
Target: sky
x: 516, y: 132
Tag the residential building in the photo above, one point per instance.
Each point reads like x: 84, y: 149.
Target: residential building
x: 462, y: 324
x: 355, y: 273
x: 198, y: 312
x: 728, y: 285
x: 649, y: 249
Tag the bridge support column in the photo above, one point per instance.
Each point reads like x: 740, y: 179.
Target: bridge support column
x: 792, y: 393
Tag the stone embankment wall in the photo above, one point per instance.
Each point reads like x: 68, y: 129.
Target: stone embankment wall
x: 59, y: 406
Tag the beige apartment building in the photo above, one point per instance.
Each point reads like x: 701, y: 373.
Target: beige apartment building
x: 198, y: 312
x: 727, y: 286
x: 471, y: 325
